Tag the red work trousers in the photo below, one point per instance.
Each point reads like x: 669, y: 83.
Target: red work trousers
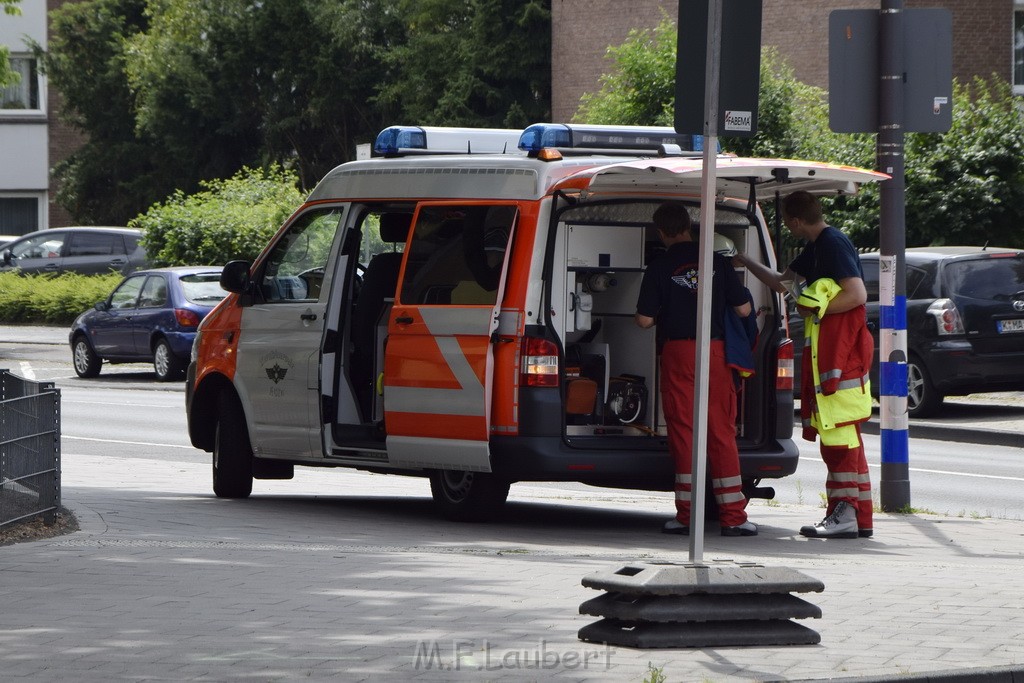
x: 678, y: 363
x: 848, y: 480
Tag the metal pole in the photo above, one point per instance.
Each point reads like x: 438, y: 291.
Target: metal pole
x: 707, y: 238
x: 894, y: 487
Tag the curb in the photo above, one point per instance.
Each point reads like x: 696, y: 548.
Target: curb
x: 1013, y: 673
x: 983, y: 437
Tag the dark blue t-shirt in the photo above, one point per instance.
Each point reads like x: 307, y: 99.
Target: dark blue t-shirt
x: 831, y: 255
x: 668, y: 292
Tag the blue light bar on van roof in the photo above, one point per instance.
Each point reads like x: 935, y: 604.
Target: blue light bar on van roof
x: 398, y: 140
x: 569, y: 136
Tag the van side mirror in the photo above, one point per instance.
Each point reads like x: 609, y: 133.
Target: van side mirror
x: 101, y: 306
x: 235, y: 276
x: 8, y: 257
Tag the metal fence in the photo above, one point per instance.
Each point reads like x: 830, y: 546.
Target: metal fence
x: 29, y: 449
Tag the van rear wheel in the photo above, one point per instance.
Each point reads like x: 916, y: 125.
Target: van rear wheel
x: 232, y: 453
x: 468, y: 496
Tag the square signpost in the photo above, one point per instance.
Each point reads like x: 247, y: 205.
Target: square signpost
x: 729, y: 81
x: 890, y: 71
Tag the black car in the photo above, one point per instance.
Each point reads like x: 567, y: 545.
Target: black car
x: 965, y: 323
x: 86, y: 250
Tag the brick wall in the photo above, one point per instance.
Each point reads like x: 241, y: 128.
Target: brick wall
x: 583, y: 30
x: 63, y: 141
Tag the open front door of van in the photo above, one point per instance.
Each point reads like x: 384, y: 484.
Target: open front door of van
x: 438, y: 359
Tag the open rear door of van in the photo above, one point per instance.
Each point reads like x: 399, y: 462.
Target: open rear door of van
x: 737, y: 177
x: 438, y: 358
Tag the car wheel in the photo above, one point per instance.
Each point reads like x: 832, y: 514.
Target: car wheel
x: 167, y: 366
x: 468, y: 496
x: 232, y: 452
x: 87, y: 363
x: 923, y: 399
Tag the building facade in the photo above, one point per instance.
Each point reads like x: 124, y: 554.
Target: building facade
x: 24, y: 142
x: 32, y: 138
x: 988, y: 38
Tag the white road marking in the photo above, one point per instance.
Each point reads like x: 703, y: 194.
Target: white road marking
x: 127, y: 443
x: 954, y: 474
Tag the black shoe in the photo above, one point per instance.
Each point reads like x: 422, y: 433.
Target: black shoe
x: 748, y: 528
x: 865, y: 533
x: 674, y: 526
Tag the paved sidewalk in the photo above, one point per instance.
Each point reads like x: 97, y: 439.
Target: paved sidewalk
x: 340, y: 575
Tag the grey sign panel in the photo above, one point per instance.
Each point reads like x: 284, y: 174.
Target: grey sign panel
x: 928, y: 90
x: 740, y: 67
x: 853, y: 71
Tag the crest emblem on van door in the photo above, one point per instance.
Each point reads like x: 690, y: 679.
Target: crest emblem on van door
x: 276, y: 365
x: 276, y: 373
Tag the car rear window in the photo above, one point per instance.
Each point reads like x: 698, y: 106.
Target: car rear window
x: 987, y: 278
x: 203, y: 288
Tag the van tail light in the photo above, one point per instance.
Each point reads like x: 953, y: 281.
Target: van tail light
x: 186, y: 318
x: 947, y: 317
x: 784, y: 373
x: 539, y: 363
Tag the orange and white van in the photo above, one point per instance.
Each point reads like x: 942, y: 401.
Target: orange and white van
x: 461, y: 307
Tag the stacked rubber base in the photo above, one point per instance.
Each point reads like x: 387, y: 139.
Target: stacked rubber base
x: 718, y: 604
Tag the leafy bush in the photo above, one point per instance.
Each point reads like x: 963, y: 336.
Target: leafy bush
x: 44, y: 299
x: 229, y: 219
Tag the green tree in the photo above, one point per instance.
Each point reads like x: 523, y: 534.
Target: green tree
x: 189, y: 90
x: 477, y: 63
x: 640, y: 90
x: 223, y: 83
x: 7, y: 76
x: 227, y: 219
x: 118, y: 171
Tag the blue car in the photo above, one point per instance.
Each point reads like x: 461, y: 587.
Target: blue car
x: 151, y: 316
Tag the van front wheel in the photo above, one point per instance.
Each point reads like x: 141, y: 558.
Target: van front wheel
x: 232, y: 454
x: 468, y: 496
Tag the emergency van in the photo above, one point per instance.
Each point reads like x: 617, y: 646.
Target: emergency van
x: 460, y: 307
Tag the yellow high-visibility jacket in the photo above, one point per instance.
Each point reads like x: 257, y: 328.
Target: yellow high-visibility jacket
x: 835, y: 391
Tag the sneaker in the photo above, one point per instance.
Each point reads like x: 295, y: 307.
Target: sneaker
x: 674, y: 526
x: 842, y: 523
x: 748, y: 528
x: 865, y: 533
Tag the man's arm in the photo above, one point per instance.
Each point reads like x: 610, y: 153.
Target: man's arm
x: 853, y: 294
x: 744, y: 310
x: 765, y: 274
x: 643, y: 321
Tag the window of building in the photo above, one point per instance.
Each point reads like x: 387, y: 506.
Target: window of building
x: 23, y: 95
x: 1018, y: 48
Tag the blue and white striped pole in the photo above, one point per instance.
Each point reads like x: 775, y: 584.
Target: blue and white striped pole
x: 894, y: 487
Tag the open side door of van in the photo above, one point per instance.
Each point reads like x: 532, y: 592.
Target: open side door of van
x: 438, y: 360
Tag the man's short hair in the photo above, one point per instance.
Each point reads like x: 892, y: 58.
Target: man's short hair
x: 672, y: 218
x: 802, y: 205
